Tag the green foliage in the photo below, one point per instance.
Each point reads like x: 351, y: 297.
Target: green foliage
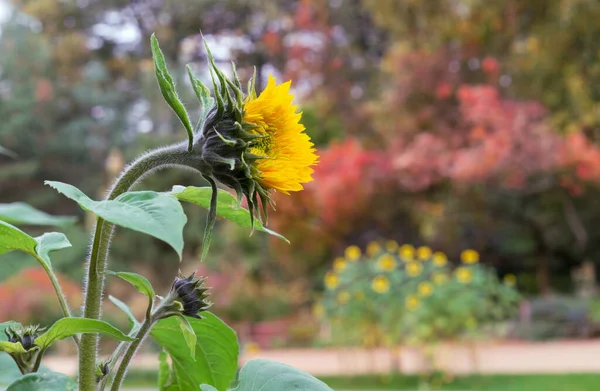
x: 12, y: 238
x: 216, y: 353
x: 43, y: 382
x: 167, y: 88
x: 140, y: 283
x: 22, y: 213
x: 152, y: 213
x: 228, y: 206
x: 264, y: 375
x: 68, y: 327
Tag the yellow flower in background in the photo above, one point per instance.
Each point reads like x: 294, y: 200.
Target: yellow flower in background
x: 386, y: 263
x: 353, y: 253
x: 380, y: 284
x: 331, y: 280
x: 439, y: 278
x: 463, y: 274
x: 413, y: 268
x: 343, y: 297
x: 425, y: 289
x: 339, y: 264
x: 423, y: 253
x: 406, y: 252
x: 251, y: 348
x: 412, y: 302
x: 391, y: 245
x: 286, y: 150
x: 373, y: 248
x: 318, y: 310
x: 440, y: 259
x: 469, y: 256
x: 510, y: 280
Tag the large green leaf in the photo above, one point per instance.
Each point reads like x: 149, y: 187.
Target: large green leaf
x: 149, y: 212
x: 216, y: 353
x: 12, y: 238
x: 67, y: 327
x: 43, y: 382
x: 227, y: 206
x: 167, y: 88
x: 265, y: 375
x: 22, y: 213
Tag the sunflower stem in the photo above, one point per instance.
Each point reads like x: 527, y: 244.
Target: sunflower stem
x: 174, y: 155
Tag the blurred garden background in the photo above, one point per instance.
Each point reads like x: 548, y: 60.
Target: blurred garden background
x: 454, y: 210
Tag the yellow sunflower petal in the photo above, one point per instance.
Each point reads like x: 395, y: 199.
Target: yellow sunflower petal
x: 287, y: 150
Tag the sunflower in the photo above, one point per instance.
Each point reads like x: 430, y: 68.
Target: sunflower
x: 285, y: 150
x: 425, y: 289
x: 331, y: 280
x: 423, y: 253
x: 254, y: 144
x: 352, y: 253
x: 380, y: 284
x: 406, y: 252
x: 463, y: 274
x: 413, y: 268
x: 339, y: 264
x: 469, y: 256
x: 386, y: 263
x: 412, y: 302
x: 439, y: 259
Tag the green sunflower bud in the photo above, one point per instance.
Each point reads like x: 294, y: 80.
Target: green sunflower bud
x: 27, y: 357
x: 188, y: 296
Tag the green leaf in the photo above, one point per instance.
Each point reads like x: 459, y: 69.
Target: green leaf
x: 43, y: 382
x: 11, y: 347
x: 12, y: 238
x: 265, y: 375
x: 140, y: 282
x: 206, y: 387
x: 49, y: 242
x: 22, y: 213
x: 156, y: 214
x: 216, y: 353
x: 204, y: 96
x: 67, y: 327
x: 227, y: 206
x: 167, y: 88
x: 125, y: 308
x: 188, y: 334
x: 164, y: 370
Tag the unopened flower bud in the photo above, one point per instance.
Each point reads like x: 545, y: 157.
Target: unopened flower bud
x: 187, y: 297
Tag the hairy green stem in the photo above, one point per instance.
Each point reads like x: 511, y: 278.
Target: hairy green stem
x: 130, y: 352
x: 172, y: 156
x: 59, y: 293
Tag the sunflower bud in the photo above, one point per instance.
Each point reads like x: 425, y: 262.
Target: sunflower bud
x: 187, y: 297
x: 102, y: 370
x: 25, y: 336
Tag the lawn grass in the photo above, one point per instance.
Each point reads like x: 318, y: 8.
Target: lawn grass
x: 566, y: 382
